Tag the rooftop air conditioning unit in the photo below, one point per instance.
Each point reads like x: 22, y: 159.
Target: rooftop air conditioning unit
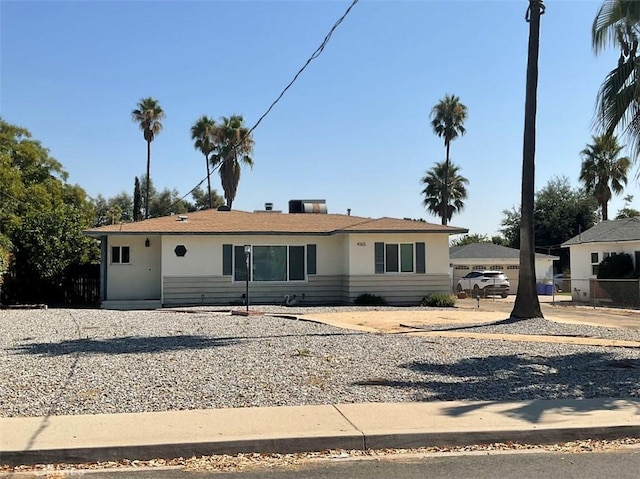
x: 308, y: 206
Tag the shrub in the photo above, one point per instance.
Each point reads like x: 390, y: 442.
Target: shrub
x: 438, y: 300
x: 616, y: 266
x: 368, y: 299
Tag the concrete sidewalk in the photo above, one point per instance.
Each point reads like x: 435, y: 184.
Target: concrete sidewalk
x: 90, y: 438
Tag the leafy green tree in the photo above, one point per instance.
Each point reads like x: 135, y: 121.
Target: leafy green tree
x: 233, y: 147
x: 470, y: 239
x: 560, y: 213
x: 617, y: 24
x: 526, y: 304
x: 627, y: 211
x: 603, y: 170
x: 447, y: 121
x: 436, y: 193
x: 202, y: 132
x: 202, y: 200
x: 149, y: 115
x: 136, y: 200
x: 41, y: 218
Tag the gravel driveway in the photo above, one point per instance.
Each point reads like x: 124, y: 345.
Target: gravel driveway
x: 75, y: 361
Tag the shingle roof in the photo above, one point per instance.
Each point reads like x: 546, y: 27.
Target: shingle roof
x: 488, y: 251
x: 626, y: 229
x: 242, y: 222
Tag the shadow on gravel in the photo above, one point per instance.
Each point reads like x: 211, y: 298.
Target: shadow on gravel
x: 124, y: 345
x: 520, y: 378
x: 149, y: 344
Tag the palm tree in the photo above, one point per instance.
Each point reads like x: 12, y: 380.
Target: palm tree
x: 202, y: 132
x: 447, y: 121
x: 603, y: 171
x: 617, y: 23
x: 527, y: 304
x: 148, y: 115
x: 436, y: 193
x: 233, y: 145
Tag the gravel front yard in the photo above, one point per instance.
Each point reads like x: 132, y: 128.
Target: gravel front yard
x: 74, y: 361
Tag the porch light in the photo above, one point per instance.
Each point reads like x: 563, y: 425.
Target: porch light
x: 147, y: 243
x: 247, y: 254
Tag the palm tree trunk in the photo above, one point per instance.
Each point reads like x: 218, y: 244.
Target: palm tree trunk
x: 146, y: 193
x: 605, y: 211
x: 206, y: 158
x: 527, y: 305
x: 445, y: 196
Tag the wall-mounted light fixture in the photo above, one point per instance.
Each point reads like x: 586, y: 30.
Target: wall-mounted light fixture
x: 147, y: 243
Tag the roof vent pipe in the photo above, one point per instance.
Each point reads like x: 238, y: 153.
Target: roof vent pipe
x: 348, y: 211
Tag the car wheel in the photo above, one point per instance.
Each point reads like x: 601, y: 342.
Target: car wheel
x: 504, y: 295
x: 476, y: 291
x: 459, y: 288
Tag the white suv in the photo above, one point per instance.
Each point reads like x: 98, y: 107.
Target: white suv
x: 484, y: 283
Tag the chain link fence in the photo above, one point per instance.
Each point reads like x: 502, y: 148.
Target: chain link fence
x: 621, y: 293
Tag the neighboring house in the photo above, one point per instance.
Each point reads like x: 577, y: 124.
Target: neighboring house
x: 590, y: 247
x: 321, y: 258
x: 479, y: 256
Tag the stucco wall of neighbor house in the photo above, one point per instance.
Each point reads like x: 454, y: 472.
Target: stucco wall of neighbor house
x: 580, y: 260
x: 140, y: 278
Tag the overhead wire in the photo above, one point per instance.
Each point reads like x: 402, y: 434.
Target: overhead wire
x: 313, y: 56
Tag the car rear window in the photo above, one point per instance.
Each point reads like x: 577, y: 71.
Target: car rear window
x: 493, y: 275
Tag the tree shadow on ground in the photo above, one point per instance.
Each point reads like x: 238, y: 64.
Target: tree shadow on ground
x: 124, y: 345
x: 523, y: 377
x: 147, y: 344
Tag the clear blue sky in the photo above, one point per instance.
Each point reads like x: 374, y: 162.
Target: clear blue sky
x: 354, y: 129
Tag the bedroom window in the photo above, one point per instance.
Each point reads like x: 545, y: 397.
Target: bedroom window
x: 399, y: 258
x: 120, y: 255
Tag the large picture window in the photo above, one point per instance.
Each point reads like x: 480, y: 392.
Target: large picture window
x: 270, y: 263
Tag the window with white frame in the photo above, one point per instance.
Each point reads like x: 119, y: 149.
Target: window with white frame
x: 399, y: 258
x: 120, y: 255
x: 595, y: 261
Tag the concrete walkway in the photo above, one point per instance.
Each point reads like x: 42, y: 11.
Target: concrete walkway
x: 90, y: 438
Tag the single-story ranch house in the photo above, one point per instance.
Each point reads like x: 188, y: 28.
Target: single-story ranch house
x: 199, y: 258
x: 590, y: 247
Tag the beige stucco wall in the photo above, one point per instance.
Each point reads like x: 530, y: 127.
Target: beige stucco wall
x: 204, y: 253
x: 140, y: 279
x: 361, y: 251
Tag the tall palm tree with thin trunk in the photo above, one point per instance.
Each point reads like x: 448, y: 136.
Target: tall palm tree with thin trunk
x: 447, y: 121
x: 435, y: 190
x: 149, y: 115
x: 202, y: 132
x: 617, y: 23
x: 527, y: 305
x: 603, y: 170
x: 233, y: 147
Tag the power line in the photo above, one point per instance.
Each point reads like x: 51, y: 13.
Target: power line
x: 313, y: 56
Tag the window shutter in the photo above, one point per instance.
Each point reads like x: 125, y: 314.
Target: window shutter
x: 227, y: 259
x: 420, y: 258
x: 311, y: 259
x: 379, y: 258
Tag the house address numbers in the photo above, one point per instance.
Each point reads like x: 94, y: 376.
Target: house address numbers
x: 361, y: 243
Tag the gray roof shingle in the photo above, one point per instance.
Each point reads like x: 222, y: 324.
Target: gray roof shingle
x: 626, y: 229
